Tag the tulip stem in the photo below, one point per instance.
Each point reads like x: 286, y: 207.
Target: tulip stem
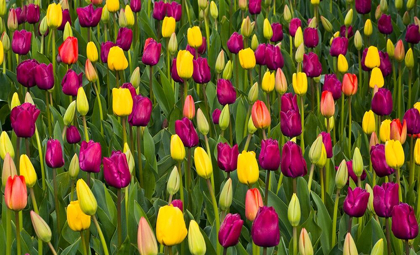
x: 397, y: 176
x: 31, y: 191
x: 19, y: 252
x: 206, y: 24
x: 83, y: 243
x: 267, y: 181
x: 321, y: 176
x: 52, y: 248
x: 237, y: 72
x: 360, y: 68
x: 85, y: 128
x: 388, y: 236
x: 124, y: 129
x: 302, y: 118
x: 280, y: 182
x: 181, y: 186
x: 168, y: 65
x: 71, y: 190
x: 265, y: 251
x: 342, y: 119
x: 98, y: 95
x: 333, y: 233
x: 350, y: 224
x: 216, y: 210
x: 101, y: 235
x: 53, y: 57
x: 140, y: 161
x: 38, y: 142
x: 209, y: 153
x: 349, y: 143
x: 225, y: 251
x: 248, y: 140
x: 48, y: 113
x: 311, y: 174
x: 56, y: 202
x: 410, y: 76
x: 407, y: 247
x: 8, y: 231
x: 119, y: 197
x: 18, y: 153
x: 399, y: 90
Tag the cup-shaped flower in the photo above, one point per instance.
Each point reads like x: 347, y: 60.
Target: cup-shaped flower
x: 379, y: 164
x: 260, y: 115
x: 300, y: 83
x: 265, y: 229
x: 25, y: 72
x: 184, y: 64
x: 202, y: 162
x: 21, y: 43
x: 76, y: 218
x: 142, y: 110
x: 23, y: 118
x: 368, y: 122
x: 54, y: 154
x: 90, y: 156
x: 349, y: 87
x: 185, y: 130
x: 170, y: 226
x: 71, y: 82
x: 227, y: 157
x: 124, y: 38
x: 248, y: 170
x: 15, y: 193
x: 69, y: 51
x: 292, y: 162
x: 88, y: 16
x: 356, y: 202
x: 230, y: 230
x: 269, y: 157
x: 116, y: 171
x: 404, y: 223
x: 235, y: 43
x: 247, y: 58
x: 385, y: 197
x: 54, y: 15
x: 122, y: 102
x: 116, y: 59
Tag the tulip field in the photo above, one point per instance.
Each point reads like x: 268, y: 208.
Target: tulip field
x: 214, y: 127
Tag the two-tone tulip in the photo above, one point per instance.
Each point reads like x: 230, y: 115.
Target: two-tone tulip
x: 146, y: 240
x: 15, y: 193
x: 69, y: 51
x: 260, y: 115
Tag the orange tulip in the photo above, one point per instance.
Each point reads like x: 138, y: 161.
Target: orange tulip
x: 69, y: 51
x: 327, y: 104
x: 349, y: 87
x: 398, y: 132
x: 253, y: 202
x: 189, y: 107
x: 260, y: 115
x: 15, y: 194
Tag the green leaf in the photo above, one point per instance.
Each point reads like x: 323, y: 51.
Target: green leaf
x: 324, y: 222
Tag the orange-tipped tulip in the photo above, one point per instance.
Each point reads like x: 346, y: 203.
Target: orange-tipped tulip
x: 146, y: 240
x: 349, y: 87
x: 253, y: 202
x: 399, y: 52
x: 398, y: 132
x: 15, y: 194
x: 327, y: 104
x: 189, y: 108
x: 260, y: 115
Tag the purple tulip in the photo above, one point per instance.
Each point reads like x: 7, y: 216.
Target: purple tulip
x: 364, y: 67
x: 274, y: 57
x: 72, y: 135
x: 356, y: 202
x: 88, y: 16
x: 230, y: 230
x: 385, y: 197
x: 363, y: 6
x: 377, y: 155
x: 202, y: 49
x: 44, y: 76
x: 260, y: 54
x: 72, y: 82
x: 254, y: 6
x: 21, y: 43
x: 265, y: 229
x: 386, y: 66
x: 90, y: 156
x: 311, y: 65
x: 159, y: 10
x: 412, y: 117
x: 178, y: 204
x: 226, y: 93
x: 142, y: 110
x: 227, y: 157
x: 277, y: 32
x: 333, y: 85
x: 339, y: 46
x: 350, y: 32
x: 32, y: 13
x: 131, y: 88
x: 292, y: 162
x: 404, y: 222
x: 174, y: 72
x: 191, y: 50
x: 116, y: 171
x: 269, y: 158
x: 105, y: 47
x: 66, y: 18
x: 293, y: 26
x: 289, y: 102
x: 25, y: 72
x: 185, y: 130
x: 382, y: 102
x: 216, y: 116
x: 201, y: 71
x: 412, y: 35
x: 23, y: 118
x: 385, y: 24
x: 135, y: 5
x: 151, y: 52
x: 235, y: 43
x: 174, y: 10
x: 54, y: 154
x: 310, y: 37
x: 124, y: 38
x: 326, y: 140
x: 21, y: 15
x: 290, y: 123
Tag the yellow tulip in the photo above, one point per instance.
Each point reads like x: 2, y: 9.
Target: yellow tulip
x: 92, y: 52
x: 122, y: 102
x: 409, y: 59
x: 202, y: 163
x: 129, y: 15
x: 184, y: 64
x: 343, y: 66
x: 1, y: 53
x: 367, y: 30
x: 268, y: 82
x: 82, y: 102
x: 248, y: 171
x: 298, y: 37
x: 368, y: 122
x: 394, y: 154
x: 15, y: 101
x: 27, y: 170
x: 385, y: 131
x: 87, y: 200
x: 170, y: 226
x: 196, y: 241
x: 300, y: 83
x: 116, y: 59
x: 54, y: 15
x: 76, y: 219
x: 417, y: 152
x: 247, y: 58
x: 372, y: 57
x: 195, y: 38
x: 113, y: 5
x: 390, y: 48
x: 177, y: 148
x: 376, y: 78
x: 267, y: 30
x: 417, y: 106
x: 6, y: 145
x: 168, y: 27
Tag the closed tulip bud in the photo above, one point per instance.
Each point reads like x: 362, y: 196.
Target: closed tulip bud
x: 184, y: 64
x: 326, y: 24
x: 247, y: 58
x: 173, y: 44
x: 214, y: 12
x: 399, y: 4
x: 170, y: 226
x: 228, y: 71
x: 394, y: 154
x: 54, y: 15
x: 9, y: 169
x: 105, y: 14
x: 202, y: 123
x: 146, y: 240
x: 317, y: 150
x: 298, y: 37
x: 260, y: 115
x: 220, y: 63
x: 81, y: 101
x: 358, y: 41
x: 254, y: 42
x: 300, y: 83
x: 390, y: 48
x: 384, y: 6
x: 15, y: 193
x: 327, y: 104
x: 92, y: 52
x: 251, y: 127
x: 173, y: 182
x: 27, y: 170
x: 230, y: 230
x: 305, y: 244
x: 349, y: 87
x: 342, y: 175
x: 368, y: 122
x: 293, y: 212
x: 202, y: 162
x: 189, y: 107
x: 299, y: 53
x: 28, y: 98
x: 113, y: 5
x: 343, y: 66
x: 225, y: 199
x: 74, y: 167
x: 90, y: 71
x: 42, y: 230
x: 378, y: 248
x: 374, y: 140
x: 367, y: 30
x: 69, y: 114
x: 267, y: 30
x: 409, y: 59
x: 1, y: 52
x: 130, y: 159
x: 86, y: 198
x: 243, y: 4
x: 67, y: 31
x: 378, y: 12
x: 268, y: 82
x: 357, y: 162
x: 253, y: 202
x: 349, y: 18
x: 5, y: 41
x: 15, y: 101
x: 247, y: 27
x: 196, y: 242
x: 177, y: 148
x: 406, y: 18
x: 248, y: 170
x: 3, y: 8
x: 287, y: 15
x: 368, y: 188
x: 135, y: 78
x: 224, y: 118
x: 349, y: 247
x: 410, y: 4
x: 253, y: 93
x: 6, y: 146
x: 399, y: 51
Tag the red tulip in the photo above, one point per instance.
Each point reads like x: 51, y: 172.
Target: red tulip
x: 69, y: 51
